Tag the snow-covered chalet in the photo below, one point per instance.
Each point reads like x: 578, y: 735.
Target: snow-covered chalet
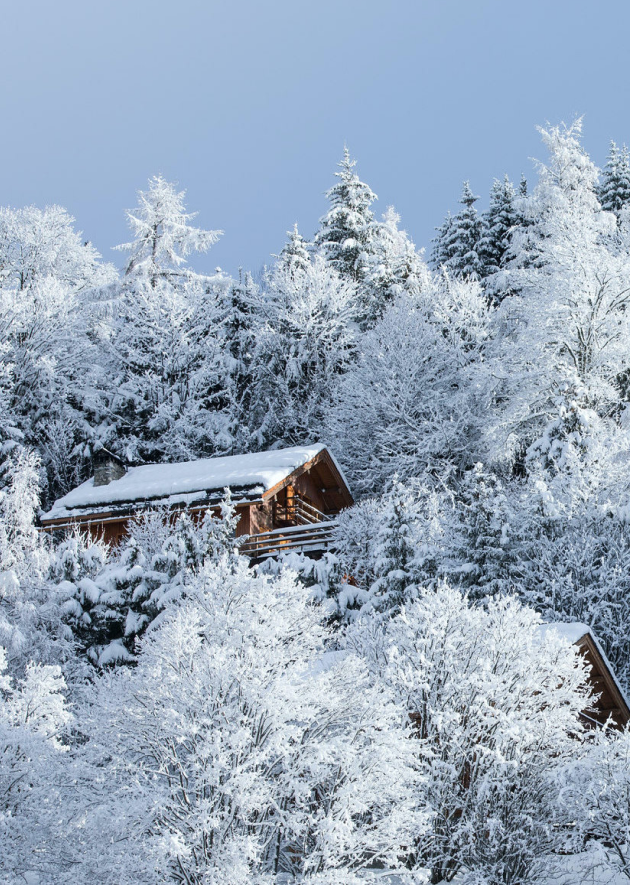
x: 287, y: 499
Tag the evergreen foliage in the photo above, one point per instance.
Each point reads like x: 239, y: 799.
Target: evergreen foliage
x: 457, y: 247
x: 614, y: 190
x: 498, y: 223
x: 345, y: 234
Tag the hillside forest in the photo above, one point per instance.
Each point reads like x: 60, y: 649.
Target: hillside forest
x: 393, y: 710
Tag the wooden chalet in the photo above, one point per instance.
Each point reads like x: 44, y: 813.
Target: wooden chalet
x: 287, y: 499
x: 609, y: 704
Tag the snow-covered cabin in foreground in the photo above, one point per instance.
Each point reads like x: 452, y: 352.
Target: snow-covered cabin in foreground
x: 287, y: 499
x: 609, y: 702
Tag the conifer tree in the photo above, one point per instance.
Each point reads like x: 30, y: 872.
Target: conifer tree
x: 295, y: 255
x: 457, y: 246
x: 394, y: 267
x: 522, y: 186
x: 498, y: 223
x: 164, y: 237
x: 240, y: 309
x: 110, y: 607
x: 345, y: 234
x: 443, y: 244
x: 614, y: 190
x: 304, y: 343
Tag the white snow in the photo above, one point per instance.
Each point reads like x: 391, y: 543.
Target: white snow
x: 572, y: 632
x: 260, y: 470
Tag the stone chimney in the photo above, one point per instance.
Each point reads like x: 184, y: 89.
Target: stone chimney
x: 107, y: 467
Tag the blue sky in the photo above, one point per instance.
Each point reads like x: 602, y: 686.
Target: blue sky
x: 248, y: 105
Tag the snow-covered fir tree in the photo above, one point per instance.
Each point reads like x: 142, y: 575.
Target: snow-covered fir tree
x: 295, y: 255
x: 394, y: 267
x: 360, y: 248
x: 498, y: 223
x: 111, y: 606
x: 614, y: 189
x: 240, y: 314
x: 163, y: 235
x: 346, y: 231
x: 457, y: 246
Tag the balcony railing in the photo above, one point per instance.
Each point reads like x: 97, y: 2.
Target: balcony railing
x: 312, y: 537
x: 297, y: 511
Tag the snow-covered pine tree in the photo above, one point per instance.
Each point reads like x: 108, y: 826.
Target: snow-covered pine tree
x: 345, y: 231
x: 349, y: 238
x: 295, y: 254
x: 480, y: 546
x: 498, y: 224
x: 111, y: 606
x: 240, y: 312
x: 394, y: 267
x: 457, y: 245
x: 442, y: 250
x: 614, y: 189
x: 401, y: 551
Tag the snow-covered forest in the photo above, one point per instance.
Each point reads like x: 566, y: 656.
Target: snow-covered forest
x: 392, y: 710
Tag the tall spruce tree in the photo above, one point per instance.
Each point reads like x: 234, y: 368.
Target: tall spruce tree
x: 346, y: 231
x: 614, y: 190
x: 394, y: 268
x: 498, y: 224
x: 443, y: 243
x: 240, y: 318
x: 295, y: 255
x: 457, y: 245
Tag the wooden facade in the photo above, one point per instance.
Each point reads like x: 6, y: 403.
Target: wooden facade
x: 609, y: 704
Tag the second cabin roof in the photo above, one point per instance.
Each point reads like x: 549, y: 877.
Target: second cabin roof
x: 257, y: 473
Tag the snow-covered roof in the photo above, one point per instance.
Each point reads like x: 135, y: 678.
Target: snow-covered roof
x: 181, y: 483
x: 573, y: 632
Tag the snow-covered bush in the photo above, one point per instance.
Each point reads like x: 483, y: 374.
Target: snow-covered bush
x: 495, y: 703
x: 34, y: 720
x: 245, y: 751
x: 111, y: 598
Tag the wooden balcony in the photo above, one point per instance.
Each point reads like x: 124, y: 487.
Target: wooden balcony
x: 297, y: 511
x: 311, y: 537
